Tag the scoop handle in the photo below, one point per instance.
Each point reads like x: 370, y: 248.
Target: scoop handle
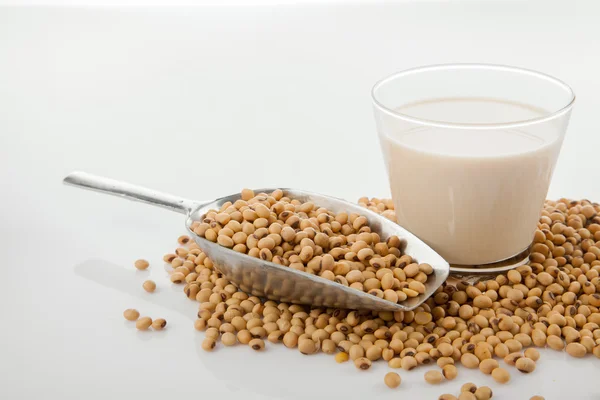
x: 130, y: 191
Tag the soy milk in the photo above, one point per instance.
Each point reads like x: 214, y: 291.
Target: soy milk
x: 474, y: 195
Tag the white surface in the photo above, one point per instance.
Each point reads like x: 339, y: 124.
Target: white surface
x: 204, y: 102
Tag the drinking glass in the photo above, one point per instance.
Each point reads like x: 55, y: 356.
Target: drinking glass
x: 470, y: 150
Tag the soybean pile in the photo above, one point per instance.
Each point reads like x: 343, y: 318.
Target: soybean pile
x: 338, y: 247
x: 553, y: 301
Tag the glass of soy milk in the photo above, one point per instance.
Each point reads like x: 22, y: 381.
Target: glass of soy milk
x: 470, y: 150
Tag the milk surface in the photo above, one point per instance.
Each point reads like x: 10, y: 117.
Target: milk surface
x: 475, y: 194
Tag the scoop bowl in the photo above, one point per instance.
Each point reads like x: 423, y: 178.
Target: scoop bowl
x: 273, y: 281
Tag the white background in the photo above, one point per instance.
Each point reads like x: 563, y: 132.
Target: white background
x: 202, y: 102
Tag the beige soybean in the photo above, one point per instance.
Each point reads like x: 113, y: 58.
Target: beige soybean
x: 177, y: 277
x: 525, y: 365
x: 159, y: 324
x: 131, y: 314
x: 555, y: 342
x: 290, y: 339
x: 397, y: 362
x: 450, y: 372
x: 392, y: 380
x: 447, y: 396
x: 469, y: 360
x: 433, y: 377
x: 244, y: 336
x: 468, y: 387
x: 483, y: 393
x: 307, y: 346
x: 373, y: 353
x: 143, y: 323
x: 501, y: 375
x: 149, y: 286
x: 408, y: 363
x: 208, y: 344
x: 257, y: 344
x: 356, y: 351
x: 141, y: 264
x: 501, y: 350
x: 576, y: 350
x: 228, y: 339
x: 362, y: 363
x: 532, y: 354
x: 487, y: 366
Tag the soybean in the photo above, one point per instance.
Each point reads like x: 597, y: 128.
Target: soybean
x: 532, y: 354
x: 487, y: 366
x: 449, y: 371
x: 341, y: 357
x: 141, y: 264
x: 434, y: 377
x: 228, y: 339
x: 257, y: 344
x: 525, y: 365
x: 149, y: 286
x: 208, y: 344
x: 362, y: 363
x: 483, y: 393
x: 500, y: 375
x: 468, y: 387
x: 131, y: 314
x: 159, y: 324
x: 143, y: 323
x: 469, y: 360
x: 447, y: 396
x: 392, y: 380
x: 576, y: 350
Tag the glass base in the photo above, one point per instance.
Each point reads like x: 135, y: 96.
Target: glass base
x: 491, y: 270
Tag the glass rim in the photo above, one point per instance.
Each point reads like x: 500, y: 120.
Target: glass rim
x: 494, y: 67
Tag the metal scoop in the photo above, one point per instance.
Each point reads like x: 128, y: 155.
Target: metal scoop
x: 273, y: 281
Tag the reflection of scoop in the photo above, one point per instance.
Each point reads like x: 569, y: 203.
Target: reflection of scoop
x: 273, y: 281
